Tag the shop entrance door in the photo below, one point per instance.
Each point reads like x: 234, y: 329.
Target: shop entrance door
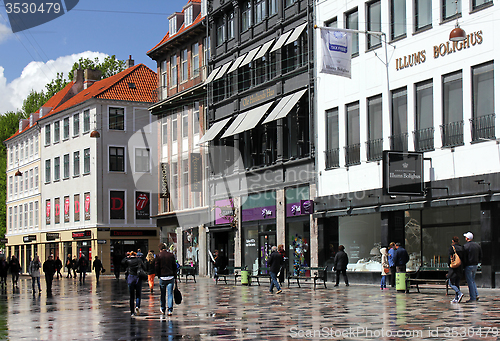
x: 266, y: 241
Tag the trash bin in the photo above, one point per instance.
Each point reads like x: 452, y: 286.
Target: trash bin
x: 245, y: 278
x: 401, y: 281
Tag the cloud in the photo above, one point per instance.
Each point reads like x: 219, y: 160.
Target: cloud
x: 35, y: 76
x: 5, y: 32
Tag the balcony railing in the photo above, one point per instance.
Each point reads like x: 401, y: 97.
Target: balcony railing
x: 374, y: 149
x: 483, y: 128
x: 399, y: 142
x: 352, y: 154
x: 452, y: 134
x: 424, y: 139
x: 332, y: 158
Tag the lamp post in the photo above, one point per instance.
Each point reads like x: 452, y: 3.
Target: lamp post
x: 457, y: 34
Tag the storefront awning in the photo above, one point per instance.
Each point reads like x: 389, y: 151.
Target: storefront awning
x: 296, y: 34
x: 250, y: 56
x: 213, y: 131
x: 222, y: 71
x: 247, y: 120
x: 284, y: 106
x: 237, y: 63
x: 212, y: 75
x: 281, y: 41
x: 263, y: 50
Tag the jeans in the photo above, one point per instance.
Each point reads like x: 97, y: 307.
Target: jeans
x: 454, y: 284
x: 470, y: 276
x: 164, y: 287
x: 274, y: 282
x: 134, y: 290
x: 33, y: 280
x: 383, y: 281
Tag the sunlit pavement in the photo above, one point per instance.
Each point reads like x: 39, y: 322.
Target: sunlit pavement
x: 228, y: 312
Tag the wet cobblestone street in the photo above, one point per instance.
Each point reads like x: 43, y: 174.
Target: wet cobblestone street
x: 228, y: 312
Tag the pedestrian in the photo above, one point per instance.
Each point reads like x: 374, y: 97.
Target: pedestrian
x: 34, y: 271
x: 74, y: 266
x: 133, y: 263
x: 401, y: 257
x: 140, y: 254
x: 14, y: 268
x: 392, y: 265
x: 220, y: 263
x: 49, y: 268
x: 340, y: 265
x: 58, y: 265
x: 82, y: 265
x: 117, y: 263
x: 4, y: 269
x: 69, y: 266
x: 281, y: 276
x: 472, y: 259
x: 97, y: 267
x: 150, y: 268
x: 386, y: 269
x: 275, y: 261
x: 166, y: 271
x: 455, y: 274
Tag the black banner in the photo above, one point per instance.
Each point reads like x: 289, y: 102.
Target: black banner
x: 117, y: 205
x: 403, y: 173
x: 142, y: 205
x: 196, y: 172
x: 164, y: 175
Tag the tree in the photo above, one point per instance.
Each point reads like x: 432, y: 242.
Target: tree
x: 109, y: 67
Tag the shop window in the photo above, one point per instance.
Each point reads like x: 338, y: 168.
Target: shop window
x: 424, y: 113
x: 399, y: 120
x: 398, y: 19
x: 117, y: 205
x: 374, y: 145
x: 298, y: 248
x: 190, y: 248
x: 423, y: 14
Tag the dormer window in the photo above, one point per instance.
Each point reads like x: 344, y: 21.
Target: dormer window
x: 172, y: 25
x: 188, y: 16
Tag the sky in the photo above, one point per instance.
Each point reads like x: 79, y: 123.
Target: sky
x: 30, y: 59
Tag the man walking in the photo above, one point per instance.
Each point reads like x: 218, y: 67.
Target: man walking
x: 97, y: 267
x: 166, y: 271
x: 58, y: 265
x: 82, y: 267
x: 49, y: 268
x: 274, y: 262
x: 401, y: 257
x: 14, y: 270
x: 69, y: 266
x: 340, y: 265
x: 472, y: 259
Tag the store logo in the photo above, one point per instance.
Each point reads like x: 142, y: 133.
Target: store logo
x: 405, y: 165
x: 266, y: 212
x: 295, y: 209
x: 25, y: 15
x: 142, y: 200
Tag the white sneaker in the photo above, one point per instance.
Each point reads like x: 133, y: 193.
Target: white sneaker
x: 136, y: 310
x: 454, y: 300
x: 162, y: 311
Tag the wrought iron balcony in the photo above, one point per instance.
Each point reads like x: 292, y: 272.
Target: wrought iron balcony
x: 483, y: 128
x: 424, y: 139
x: 452, y: 134
x: 374, y: 149
x: 399, y: 142
x: 332, y: 158
x: 352, y: 154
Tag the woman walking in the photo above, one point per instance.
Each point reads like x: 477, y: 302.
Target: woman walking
x: 133, y: 263
x: 150, y: 266
x: 386, y: 269
x: 34, y: 271
x: 455, y: 274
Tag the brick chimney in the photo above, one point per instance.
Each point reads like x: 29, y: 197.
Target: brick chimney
x: 130, y: 62
x: 91, y: 76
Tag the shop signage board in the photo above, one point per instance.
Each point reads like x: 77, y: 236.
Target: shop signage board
x: 403, y: 173
x: 101, y: 241
x: 224, y: 213
x: 142, y: 204
x: 82, y: 234
x: 196, y: 172
x: 51, y: 236
x: 164, y: 176
x: 303, y: 207
x: 259, y: 213
x: 30, y: 238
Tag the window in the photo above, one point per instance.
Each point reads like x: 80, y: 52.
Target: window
x: 20, y: 216
x: 10, y: 219
x: 451, y: 9
x: 230, y: 26
x: 332, y: 138
x: 17, y: 152
x: 116, y: 159
x: 36, y: 145
x: 174, y: 129
x: 21, y: 152
x: 374, y: 145
x: 174, y: 186
x: 196, y: 118
x: 476, y: 4
x: 86, y: 121
x: 195, y: 60
x: 164, y: 79
x: 116, y: 118
x: 188, y: 16
x: 332, y: 23
x: 142, y: 162
x: 399, y: 138
x: 47, y: 171
x: 25, y: 215
x: 11, y: 155
x: 15, y: 217
x: 246, y: 15
x: 352, y: 24
x: 172, y: 25
x: 25, y: 150
x: 26, y: 174
x: 483, y: 102
x: 31, y: 215
x: 398, y: 18
x: 424, y: 125
x: 173, y: 71
x: 31, y: 147
x: 184, y: 65
x: 76, y: 124
x: 86, y: 161
x: 15, y: 184
x: 220, y: 31
x: 11, y: 186
x: 164, y: 131
x: 185, y: 183
x: 294, y: 55
x: 260, y: 11
x: 352, y: 149
x: 206, y: 51
x: 36, y: 178
x: 31, y: 179
x: 423, y: 14
x: 66, y: 128
x: 289, y: 3
x: 66, y: 166
x: 273, y: 7
x: 47, y: 136
x: 57, y: 168
x: 185, y: 122
x: 36, y: 213
x: 452, y: 128
x: 76, y: 163
x: 373, y: 24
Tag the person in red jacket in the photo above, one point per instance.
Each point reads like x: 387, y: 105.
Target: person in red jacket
x: 166, y: 271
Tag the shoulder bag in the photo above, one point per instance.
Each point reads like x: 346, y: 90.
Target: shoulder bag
x: 455, y: 261
x: 177, y: 294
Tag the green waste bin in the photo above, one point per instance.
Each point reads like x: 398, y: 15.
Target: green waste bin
x: 401, y: 281
x: 245, y: 278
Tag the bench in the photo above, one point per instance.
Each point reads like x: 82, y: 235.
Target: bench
x: 187, y: 271
x: 427, y: 277
x: 319, y: 274
x: 260, y: 275
x: 231, y: 272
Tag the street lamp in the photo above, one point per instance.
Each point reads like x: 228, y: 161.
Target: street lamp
x: 457, y: 34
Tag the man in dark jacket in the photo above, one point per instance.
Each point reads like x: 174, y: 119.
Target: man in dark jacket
x: 58, y: 265
x: 69, y: 266
x: 49, y: 268
x: 97, y: 267
x: 14, y: 268
x: 472, y: 259
x: 400, y: 258
x: 166, y: 271
x: 274, y: 262
x: 340, y: 265
x: 455, y: 274
x: 82, y: 265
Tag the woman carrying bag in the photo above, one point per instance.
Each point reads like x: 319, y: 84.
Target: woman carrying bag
x: 455, y: 273
x: 34, y: 271
x: 136, y: 271
x: 386, y: 269
x: 150, y: 268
